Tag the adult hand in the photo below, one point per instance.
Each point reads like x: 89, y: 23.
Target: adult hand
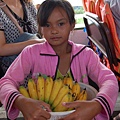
x: 33, y: 109
x: 84, y: 110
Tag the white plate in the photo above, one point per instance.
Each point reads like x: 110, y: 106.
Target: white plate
x: 62, y: 113
x: 58, y: 115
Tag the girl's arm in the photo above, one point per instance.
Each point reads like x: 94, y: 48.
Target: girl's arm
x: 32, y: 109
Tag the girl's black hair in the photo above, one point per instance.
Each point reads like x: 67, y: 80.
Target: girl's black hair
x: 48, y: 6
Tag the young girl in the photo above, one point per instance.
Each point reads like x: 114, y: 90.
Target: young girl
x: 58, y: 56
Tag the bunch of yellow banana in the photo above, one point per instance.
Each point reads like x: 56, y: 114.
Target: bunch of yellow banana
x: 76, y: 92
x: 54, y: 92
x: 82, y: 95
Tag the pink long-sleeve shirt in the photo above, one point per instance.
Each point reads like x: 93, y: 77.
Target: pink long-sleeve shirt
x: 41, y: 58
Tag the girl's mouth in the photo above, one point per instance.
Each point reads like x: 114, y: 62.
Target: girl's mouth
x: 56, y: 38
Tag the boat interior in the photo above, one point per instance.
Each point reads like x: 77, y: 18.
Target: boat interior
x: 97, y: 34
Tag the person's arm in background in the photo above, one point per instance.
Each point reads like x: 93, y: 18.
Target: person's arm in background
x: 14, y: 48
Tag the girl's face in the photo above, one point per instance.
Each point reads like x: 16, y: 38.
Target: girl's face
x: 58, y: 28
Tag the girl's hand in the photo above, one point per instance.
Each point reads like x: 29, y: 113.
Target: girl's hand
x: 32, y: 109
x: 84, y: 110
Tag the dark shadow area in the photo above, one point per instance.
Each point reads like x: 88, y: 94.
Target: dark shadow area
x: 16, y: 119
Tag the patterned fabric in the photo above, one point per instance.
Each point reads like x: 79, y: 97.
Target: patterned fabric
x: 9, y: 28
x: 29, y: 24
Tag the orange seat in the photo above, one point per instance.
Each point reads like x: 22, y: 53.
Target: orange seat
x: 99, y: 4
x: 84, y: 2
x: 107, y: 17
x: 89, y: 5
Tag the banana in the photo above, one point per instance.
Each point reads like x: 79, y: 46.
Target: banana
x: 64, y: 90
x: 24, y: 91
x: 75, y: 90
x: 69, y: 82
x: 48, y: 88
x: 67, y: 98
x: 82, y: 95
x: 32, y: 89
x: 57, y: 84
x: 40, y: 87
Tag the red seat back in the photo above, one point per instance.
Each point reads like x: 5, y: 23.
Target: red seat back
x: 99, y: 4
x: 89, y: 5
x: 107, y: 17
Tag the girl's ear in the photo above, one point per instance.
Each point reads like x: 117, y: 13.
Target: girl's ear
x: 72, y: 26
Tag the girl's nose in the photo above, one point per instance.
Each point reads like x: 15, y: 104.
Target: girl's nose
x: 54, y: 30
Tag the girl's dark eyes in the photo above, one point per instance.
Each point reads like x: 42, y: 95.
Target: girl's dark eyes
x: 59, y: 24
x: 47, y: 25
